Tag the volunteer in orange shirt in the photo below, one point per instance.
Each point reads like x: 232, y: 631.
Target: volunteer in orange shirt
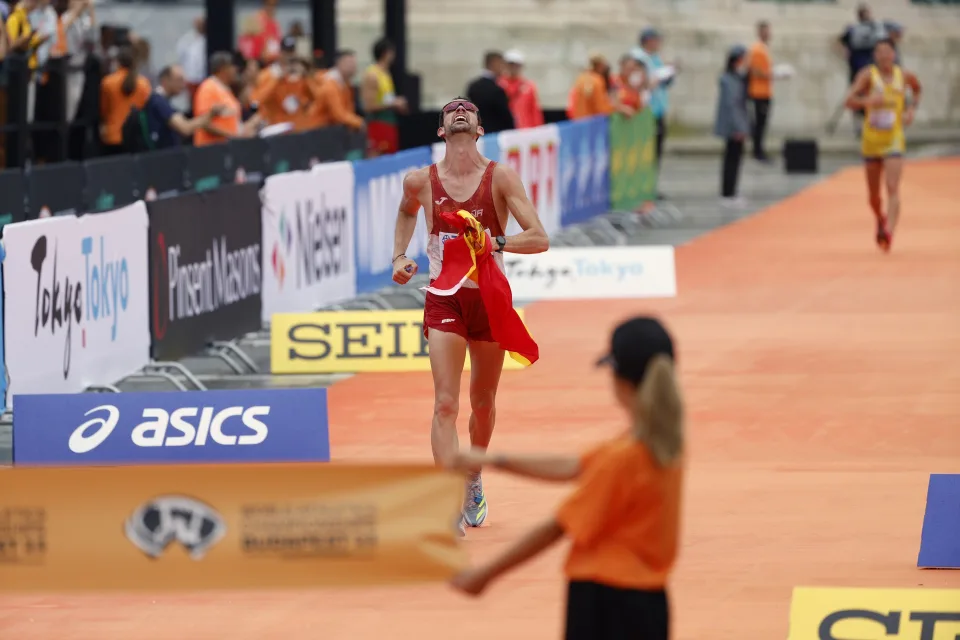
x: 590, y: 94
x: 216, y: 90
x: 283, y: 90
x: 760, y: 87
x: 521, y: 92
x: 628, y: 85
x: 335, y: 104
x: 624, y: 517
x: 120, y: 91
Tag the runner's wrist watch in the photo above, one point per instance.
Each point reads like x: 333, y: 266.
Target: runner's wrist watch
x: 501, y: 243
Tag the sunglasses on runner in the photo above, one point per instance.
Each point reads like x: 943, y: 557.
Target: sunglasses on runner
x: 456, y: 104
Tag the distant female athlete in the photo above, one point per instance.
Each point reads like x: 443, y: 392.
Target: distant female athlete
x: 881, y: 90
x: 623, y: 518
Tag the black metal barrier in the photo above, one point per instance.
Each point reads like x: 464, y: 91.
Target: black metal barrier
x: 108, y: 183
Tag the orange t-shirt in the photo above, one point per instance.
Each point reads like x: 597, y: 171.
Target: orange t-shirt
x: 212, y: 92
x: 282, y: 100
x: 115, y: 107
x: 589, y: 97
x: 760, y: 62
x: 334, y: 104
x: 624, y: 518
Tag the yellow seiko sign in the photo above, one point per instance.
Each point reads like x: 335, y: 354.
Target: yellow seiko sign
x: 874, y: 614
x: 352, y: 342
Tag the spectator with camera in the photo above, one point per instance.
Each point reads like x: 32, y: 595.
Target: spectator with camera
x: 283, y: 92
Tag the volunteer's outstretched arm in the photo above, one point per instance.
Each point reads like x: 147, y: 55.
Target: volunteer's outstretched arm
x: 533, y: 238
x: 545, y: 467
x: 537, y: 540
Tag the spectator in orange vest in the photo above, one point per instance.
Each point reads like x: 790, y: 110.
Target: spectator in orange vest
x: 590, y: 94
x: 282, y: 90
x: 521, y: 92
x: 335, y: 103
x: 760, y: 87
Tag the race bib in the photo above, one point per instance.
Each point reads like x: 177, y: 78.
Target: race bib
x: 444, y: 236
x: 291, y: 104
x: 883, y: 119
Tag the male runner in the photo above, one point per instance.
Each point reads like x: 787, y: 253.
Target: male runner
x: 880, y: 89
x: 454, y: 324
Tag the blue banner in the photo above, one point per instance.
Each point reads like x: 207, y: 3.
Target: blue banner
x: 3, y: 370
x: 940, y: 537
x: 253, y: 425
x: 378, y: 185
x: 491, y: 146
x: 584, y: 175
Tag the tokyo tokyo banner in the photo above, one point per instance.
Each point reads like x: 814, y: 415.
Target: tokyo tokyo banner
x: 81, y: 315
x: 308, y: 247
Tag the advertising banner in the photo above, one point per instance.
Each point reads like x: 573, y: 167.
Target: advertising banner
x: 378, y: 184
x: 570, y: 273
x: 633, y: 160
x: 164, y: 173
x: 3, y: 370
x: 535, y: 155
x: 55, y: 190
x: 252, y: 425
x: 940, y: 538
x: 894, y: 614
x: 13, y: 194
x: 77, y: 311
x: 111, y: 183
x: 243, y: 526
x: 204, y: 269
x: 207, y: 167
x: 352, y: 342
x: 248, y: 157
x: 308, y: 224
x: 584, y: 179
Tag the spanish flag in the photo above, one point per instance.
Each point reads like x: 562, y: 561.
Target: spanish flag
x: 469, y: 256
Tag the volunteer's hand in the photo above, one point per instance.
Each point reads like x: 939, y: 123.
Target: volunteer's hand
x: 403, y: 269
x: 471, y: 582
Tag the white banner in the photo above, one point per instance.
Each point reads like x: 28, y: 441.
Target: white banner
x: 77, y: 300
x: 535, y: 155
x: 307, y: 252
x: 568, y: 273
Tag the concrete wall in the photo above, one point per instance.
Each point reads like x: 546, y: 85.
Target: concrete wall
x: 448, y: 38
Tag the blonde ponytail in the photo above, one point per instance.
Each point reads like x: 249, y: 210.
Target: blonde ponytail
x: 658, y: 411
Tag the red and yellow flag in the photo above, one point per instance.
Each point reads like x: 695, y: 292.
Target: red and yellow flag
x: 469, y: 256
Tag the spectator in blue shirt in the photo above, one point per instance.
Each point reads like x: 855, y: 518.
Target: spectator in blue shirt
x: 648, y: 54
x: 166, y: 126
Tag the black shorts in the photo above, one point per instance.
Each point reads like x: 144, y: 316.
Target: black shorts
x: 599, y: 612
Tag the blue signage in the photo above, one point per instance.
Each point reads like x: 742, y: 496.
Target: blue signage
x: 378, y: 184
x: 940, y: 538
x: 584, y: 174
x: 3, y: 370
x: 275, y: 425
x: 491, y: 146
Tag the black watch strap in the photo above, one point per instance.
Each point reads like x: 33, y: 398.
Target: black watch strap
x: 501, y: 243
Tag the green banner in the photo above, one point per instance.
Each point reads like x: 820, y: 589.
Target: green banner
x: 633, y: 160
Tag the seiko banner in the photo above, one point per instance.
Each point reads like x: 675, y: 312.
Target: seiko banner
x: 308, y: 225
x: 584, y: 180
x: 204, y: 269
x: 535, y: 155
x: 379, y: 187
x: 77, y: 305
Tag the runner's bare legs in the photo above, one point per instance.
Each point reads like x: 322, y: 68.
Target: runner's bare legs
x: 486, y: 364
x: 448, y: 352
x: 893, y: 169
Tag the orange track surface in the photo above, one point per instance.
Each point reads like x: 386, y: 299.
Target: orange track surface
x: 823, y: 380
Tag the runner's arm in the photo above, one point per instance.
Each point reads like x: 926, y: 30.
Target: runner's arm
x: 858, y: 97
x: 533, y: 238
x: 914, y: 84
x: 413, y: 184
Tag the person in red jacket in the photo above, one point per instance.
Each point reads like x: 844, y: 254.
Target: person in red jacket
x: 521, y: 92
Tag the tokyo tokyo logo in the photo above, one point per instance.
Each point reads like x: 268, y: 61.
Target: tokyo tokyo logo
x: 281, y: 248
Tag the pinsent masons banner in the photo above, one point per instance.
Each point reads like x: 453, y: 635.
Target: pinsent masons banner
x: 308, y: 224
x: 379, y: 187
x: 76, y: 300
x: 535, y: 155
x: 205, y: 269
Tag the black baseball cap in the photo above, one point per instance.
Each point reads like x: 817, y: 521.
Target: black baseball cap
x: 634, y: 344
